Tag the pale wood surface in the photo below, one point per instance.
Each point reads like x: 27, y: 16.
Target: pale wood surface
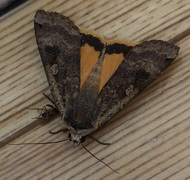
x: 150, y: 138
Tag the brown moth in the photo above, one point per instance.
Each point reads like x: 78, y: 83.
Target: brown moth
x: 87, y: 98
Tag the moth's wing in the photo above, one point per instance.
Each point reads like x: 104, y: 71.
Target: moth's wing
x: 58, y: 42
x: 139, y: 68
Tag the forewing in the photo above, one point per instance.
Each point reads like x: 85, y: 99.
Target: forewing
x: 139, y: 68
x: 58, y: 42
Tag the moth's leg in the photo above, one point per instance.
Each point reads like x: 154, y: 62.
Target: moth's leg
x: 50, y: 105
x: 90, y: 136
x: 60, y: 130
x: 49, y: 99
x: 48, y: 111
x: 41, y: 111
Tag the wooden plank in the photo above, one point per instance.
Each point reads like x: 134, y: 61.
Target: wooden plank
x: 149, y: 139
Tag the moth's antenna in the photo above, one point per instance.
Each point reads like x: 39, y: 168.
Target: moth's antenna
x: 51, y: 142
x: 99, y: 159
x: 102, y: 143
x: 60, y: 130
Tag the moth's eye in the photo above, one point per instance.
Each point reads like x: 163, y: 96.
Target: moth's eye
x: 83, y: 139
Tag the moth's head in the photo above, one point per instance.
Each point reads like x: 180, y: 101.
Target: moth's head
x: 76, y: 139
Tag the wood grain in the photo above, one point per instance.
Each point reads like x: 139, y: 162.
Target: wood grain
x: 149, y: 139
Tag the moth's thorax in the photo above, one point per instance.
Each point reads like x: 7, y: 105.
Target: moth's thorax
x: 81, y: 112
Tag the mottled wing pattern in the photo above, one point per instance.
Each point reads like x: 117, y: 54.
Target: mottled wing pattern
x: 141, y: 65
x: 58, y: 42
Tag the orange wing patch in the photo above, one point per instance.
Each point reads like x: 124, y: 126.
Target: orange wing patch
x: 110, y: 64
x: 89, y: 58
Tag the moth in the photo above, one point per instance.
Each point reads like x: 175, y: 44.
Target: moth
x: 88, y: 97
